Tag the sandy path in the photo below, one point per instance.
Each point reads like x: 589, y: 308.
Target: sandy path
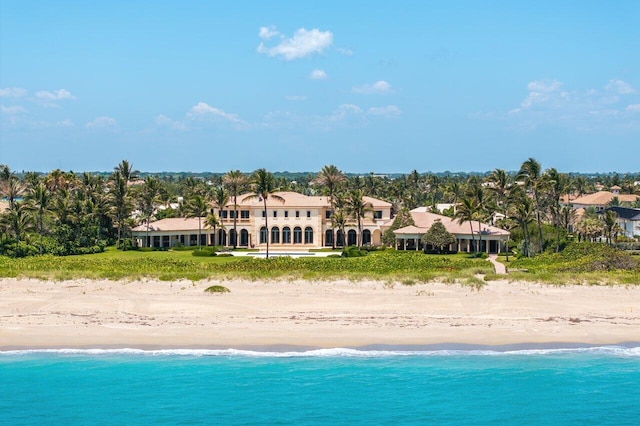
x: 318, y: 314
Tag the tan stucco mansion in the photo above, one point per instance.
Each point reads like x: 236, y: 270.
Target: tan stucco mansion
x: 299, y: 222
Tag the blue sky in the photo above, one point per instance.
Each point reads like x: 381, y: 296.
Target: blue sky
x: 291, y: 85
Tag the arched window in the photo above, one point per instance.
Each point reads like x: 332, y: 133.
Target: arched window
x: 222, y: 237
x: 297, y: 235
x: 308, y: 235
x: 275, y: 235
x: 233, y: 238
x: 339, y: 238
x: 286, y: 235
x: 263, y: 235
x: 366, y: 237
x: 328, y: 237
x: 244, y: 237
x: 351, y: 237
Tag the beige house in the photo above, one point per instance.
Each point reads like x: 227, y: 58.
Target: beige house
x: 298, y: 222
x: 601, y: 199
x: 409, y: 237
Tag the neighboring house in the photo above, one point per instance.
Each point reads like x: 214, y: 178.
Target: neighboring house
x: 300, y: 222
x: 601, y: 199
x: 628, y: 220
x: 409, y: 237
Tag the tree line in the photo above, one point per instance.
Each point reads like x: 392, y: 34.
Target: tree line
x: 70, y: 213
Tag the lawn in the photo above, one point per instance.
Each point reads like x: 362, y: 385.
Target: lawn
x: 391, y: 266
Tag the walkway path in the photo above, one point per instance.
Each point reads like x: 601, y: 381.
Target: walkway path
x: 499, y: 267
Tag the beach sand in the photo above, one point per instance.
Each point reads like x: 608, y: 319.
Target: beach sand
x: 155, y: 314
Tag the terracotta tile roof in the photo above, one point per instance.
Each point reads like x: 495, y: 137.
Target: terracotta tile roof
x: 602, y: 198
x: 172, y: 224
x: 295, y: 199
x: 424, y: 219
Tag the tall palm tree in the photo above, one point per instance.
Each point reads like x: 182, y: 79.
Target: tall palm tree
x: 220, y: 200
x: 213, y: 221
x: 126, y: 170
x: 17, y: 220
x: 467, y: 211
x: 121, y: 202
x: 330, y: 178
x: 522, y: 212
x: 531, y: 173
x: 147, y: 200
x: 556, y: 185
x: 339, y: 222
x: 236, y: 183
x: 39, y: 199
x: 611, y: 227
x: 196, y: 206
x: 263, y: 187
x: 357, y: 207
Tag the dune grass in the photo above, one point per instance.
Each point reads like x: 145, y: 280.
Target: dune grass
x: 170, y: 265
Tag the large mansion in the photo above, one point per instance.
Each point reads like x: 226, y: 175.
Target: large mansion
x: 295, y: 221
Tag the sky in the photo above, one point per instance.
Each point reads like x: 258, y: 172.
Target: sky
x: 369, y: 86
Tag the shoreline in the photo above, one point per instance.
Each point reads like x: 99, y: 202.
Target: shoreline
x: 307, y: 315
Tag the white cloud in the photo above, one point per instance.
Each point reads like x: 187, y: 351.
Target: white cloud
x: 65, y: 123
x: 379, y: 87
x: 205, y: 111
x: 12, y: 110
x: 164, y: 121
x: 386, y: 111
x: 295, y: 98
x: 12, y: 92
x: 104, y: 122
x: 541, y: 92
x: 318, y: 75
x: 266, y: 33
x: 56, y: 95
x: 620, y: 87
x: 633, y: 108
x: 345, y: 52
x: 303, y: 43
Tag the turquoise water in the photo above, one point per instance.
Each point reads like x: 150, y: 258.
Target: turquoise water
x: 590, y: 386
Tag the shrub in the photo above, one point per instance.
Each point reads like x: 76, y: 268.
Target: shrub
x: 217, y: 289
x: 204, y: 251
x: 353, y: 251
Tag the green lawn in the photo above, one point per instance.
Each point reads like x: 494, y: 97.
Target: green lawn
x: 391, y: 266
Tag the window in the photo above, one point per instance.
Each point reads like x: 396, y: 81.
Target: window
x: 377, y: 214
x: 366, y: 236
x: 264, y: 213
x: 275, y: 213
x: 286, y: 235
x: 297, y: 235
x: 308, y: 213
x: 244, y: 237
x: 244, y: 214
x: 263, y: 235
x: 232, y: 214
x: 223, y: 214
x: 275, y: 235
x: 308, y: 235
x: 297, y: 213
x: 327, y: 214
x: 286, y: 213
x: 328, y: 237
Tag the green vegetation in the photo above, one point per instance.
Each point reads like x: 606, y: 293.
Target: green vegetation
x: 217, y: 289
x: 385, y: 265
x: 579, y: 263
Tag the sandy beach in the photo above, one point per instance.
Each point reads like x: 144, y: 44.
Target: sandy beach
x: 145, y: 314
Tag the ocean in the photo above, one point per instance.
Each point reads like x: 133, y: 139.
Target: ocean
x: 334, y: 386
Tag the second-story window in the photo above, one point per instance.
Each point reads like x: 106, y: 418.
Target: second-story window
x: 297, y: 213
x: 377, y: 214
x: 286, y: 213
x: 224, y: 214
x: 264, y: 213
x: 327, y: 214
x: 244, y: 214
x: 308, y: 213
x: 275, y: 213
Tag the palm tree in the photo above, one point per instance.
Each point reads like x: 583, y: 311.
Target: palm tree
x: 39, y: 199
x: 147, y: 201
x: 500, y: 185
x: 263, y: 187
x: 611, y: 227
x: 523, y: 213
x: 556, y: 185
x: 331, y: 179
x: 121, y: 202
x: 126, y: 170
x: 531, y: 173
x: 196, y: 206
x: 17, y: 220
x: 220, y: 200
x: 466, y: 212
x: 212, y: 221
x: 357, y: 207
x: 339, y: 221
x: 236, y: 182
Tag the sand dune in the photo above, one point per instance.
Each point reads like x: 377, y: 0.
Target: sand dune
x: 86, y: 313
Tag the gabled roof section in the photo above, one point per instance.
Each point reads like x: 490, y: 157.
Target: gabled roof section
x: 425, y: 219
x: 602, y: 198
x: 625, y: 212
